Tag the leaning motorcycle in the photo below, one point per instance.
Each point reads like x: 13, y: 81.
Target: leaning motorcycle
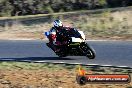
x: 76, y: 45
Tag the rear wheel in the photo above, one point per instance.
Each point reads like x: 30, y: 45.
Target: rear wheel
x: 61, y: 53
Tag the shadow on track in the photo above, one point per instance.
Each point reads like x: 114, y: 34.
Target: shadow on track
x: 34, y: 59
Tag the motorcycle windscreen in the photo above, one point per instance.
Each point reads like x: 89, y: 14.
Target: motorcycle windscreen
x: 82, y: 34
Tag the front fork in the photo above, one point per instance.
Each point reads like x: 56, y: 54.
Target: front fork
x: 84, y: 48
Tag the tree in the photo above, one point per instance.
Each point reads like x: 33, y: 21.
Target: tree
x: 6, y: 8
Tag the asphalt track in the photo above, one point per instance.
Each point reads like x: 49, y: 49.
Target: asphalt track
x: 115, y: 53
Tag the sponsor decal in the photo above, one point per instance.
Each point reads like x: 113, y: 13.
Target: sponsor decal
x: 83, y: 77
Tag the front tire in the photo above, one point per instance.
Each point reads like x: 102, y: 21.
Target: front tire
x: 88, y: 51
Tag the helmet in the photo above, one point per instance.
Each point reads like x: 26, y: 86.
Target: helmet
x: 57, y: 24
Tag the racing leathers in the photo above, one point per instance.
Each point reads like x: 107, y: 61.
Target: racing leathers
x: 57, y: 37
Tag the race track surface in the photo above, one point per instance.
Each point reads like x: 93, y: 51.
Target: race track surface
x: 116, y: 53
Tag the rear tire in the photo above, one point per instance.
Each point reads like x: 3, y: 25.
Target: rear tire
x: 61, y: 54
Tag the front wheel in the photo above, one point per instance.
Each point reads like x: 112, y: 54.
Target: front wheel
x: 88, y: 50
x: 90, y: 53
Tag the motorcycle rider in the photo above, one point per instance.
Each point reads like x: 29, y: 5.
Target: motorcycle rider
x: 57, y: 35
x: 62, y: 38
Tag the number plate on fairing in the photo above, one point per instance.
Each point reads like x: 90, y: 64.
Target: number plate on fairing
x: 77, y: 39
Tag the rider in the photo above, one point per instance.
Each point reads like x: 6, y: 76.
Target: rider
x: 56, y: 36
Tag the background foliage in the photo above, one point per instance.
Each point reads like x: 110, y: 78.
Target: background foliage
x: 28, y: 7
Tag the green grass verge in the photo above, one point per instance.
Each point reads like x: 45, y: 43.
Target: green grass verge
x: 103, y: 23
x: 52, y: 67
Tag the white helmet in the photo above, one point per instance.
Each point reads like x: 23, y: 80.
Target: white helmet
x: 57, y: 23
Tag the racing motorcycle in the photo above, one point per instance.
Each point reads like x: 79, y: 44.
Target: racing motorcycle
x: 76, y: 45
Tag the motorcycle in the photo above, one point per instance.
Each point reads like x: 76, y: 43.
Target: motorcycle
x: 76, y: 45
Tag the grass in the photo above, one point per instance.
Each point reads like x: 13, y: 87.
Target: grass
x: 52, y: 67
x: 104, y: 24
x: 34, y: 66
x: 25, y: 74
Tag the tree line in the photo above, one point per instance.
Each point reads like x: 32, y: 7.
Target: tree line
x: 31, y: 7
